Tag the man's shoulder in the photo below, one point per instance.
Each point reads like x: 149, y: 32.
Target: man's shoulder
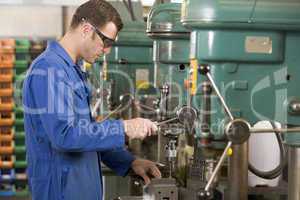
x: 48, y: 59
x: 48, y: 63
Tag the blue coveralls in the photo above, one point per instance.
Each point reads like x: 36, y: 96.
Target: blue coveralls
x: 65, y: 146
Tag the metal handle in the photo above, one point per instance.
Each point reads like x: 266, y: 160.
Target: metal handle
x: 111, y: 113
x: 205, y: 70
x: 165, y: 121
x: 278, y: 130
x: 219, y: 95
x: 96, y: 106
x: 216, y: 170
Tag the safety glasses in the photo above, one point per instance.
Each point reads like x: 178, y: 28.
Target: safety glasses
x: 107, y: 42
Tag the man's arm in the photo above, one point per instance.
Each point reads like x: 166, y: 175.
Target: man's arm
x: 119, y: 160
x: 52, y: 102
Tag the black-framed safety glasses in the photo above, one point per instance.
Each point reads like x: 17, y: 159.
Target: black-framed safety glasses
x: 107, y: 42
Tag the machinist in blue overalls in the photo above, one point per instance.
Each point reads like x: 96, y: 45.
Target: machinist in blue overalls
x: 65, y: 146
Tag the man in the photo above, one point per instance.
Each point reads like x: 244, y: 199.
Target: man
x: 65, y: 146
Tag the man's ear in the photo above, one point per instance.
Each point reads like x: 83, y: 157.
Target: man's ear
x: 85, y: 29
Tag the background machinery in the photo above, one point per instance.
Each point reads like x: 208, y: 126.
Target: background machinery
x: 247, y: 51
x: 224, y: 67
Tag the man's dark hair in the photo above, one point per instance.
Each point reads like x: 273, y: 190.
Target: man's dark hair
x: 98, y: 13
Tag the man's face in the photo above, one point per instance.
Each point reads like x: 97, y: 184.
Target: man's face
x: 93, y: 45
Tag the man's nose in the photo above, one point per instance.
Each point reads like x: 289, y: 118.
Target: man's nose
x: 106, y: 50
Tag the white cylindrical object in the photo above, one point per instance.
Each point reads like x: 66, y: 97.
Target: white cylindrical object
x: 264, y: 155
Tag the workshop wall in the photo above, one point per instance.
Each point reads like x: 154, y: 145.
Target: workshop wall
x: 30, y: 21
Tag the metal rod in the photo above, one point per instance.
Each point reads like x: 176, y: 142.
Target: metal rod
x: 206, y: 107
x: 294, y: 173
x: 160, y: 164
x: 238, y: 172
x: 96, y: 106
x: 111, y: 113
x: 279, y: 130
x: 130, y: 9
x: 147, y: 107
x: 219, y: 95
x: 216, y: 170
x: 165, y: 121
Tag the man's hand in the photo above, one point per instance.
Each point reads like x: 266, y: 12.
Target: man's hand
x: 139, y: 128
x: 144, y: 168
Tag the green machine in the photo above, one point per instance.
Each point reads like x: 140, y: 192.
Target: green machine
x: 248, y: 52
x: 125, y: 73
x: 127, y: 70
x: 178, y: 99
x: 171, y: 64
x: 171, y: 54
x: 177, y: 108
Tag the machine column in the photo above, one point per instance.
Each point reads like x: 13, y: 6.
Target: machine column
x: 294, y: 173
x: 238, y: 172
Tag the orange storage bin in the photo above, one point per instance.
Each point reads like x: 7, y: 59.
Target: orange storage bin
x: 6, y: 92
x: 6, y: 89
x: 6, y: 162
x: 6, y: 133
x: 6, y: 78
x: 6, y: 73
x: 6, y: 119
x: 6, y: 85
x: 6, y: 103
x: 7, y: 45
x: 6, y: 147
x: 7, y: 60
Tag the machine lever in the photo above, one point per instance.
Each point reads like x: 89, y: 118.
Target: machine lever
x: 165, y: 121
x: 111, y: 113
x: 126, y: 100
x: 216, y: 170
x: 160, y: 164
x: 96, y: 106
x: 208, y: 75
x: 205, y: 70
x: 278, y: 130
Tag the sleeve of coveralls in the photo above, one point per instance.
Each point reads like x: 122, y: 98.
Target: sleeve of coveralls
x: 119, y: 160
x: 54, y: 100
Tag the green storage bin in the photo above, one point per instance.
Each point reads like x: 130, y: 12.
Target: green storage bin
x: 20, y: 149
x: 23, y: 193
x: 23, y: 46
x: 19, y: 119
x: 20, y: 142
x: 18, y: 96
x: 20, y: 135
x: 19, y: 113
x: 19, y: 122
x: 21, y: 190
x: 21, y: 66
x: 20, y: 164
x: 19, y: 125
x: 19, y: 78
